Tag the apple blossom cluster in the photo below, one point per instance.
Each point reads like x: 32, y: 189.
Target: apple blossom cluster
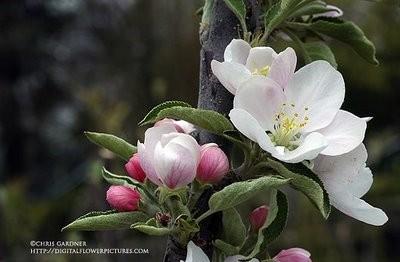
x: 288, y: 126
x: 169, y: 158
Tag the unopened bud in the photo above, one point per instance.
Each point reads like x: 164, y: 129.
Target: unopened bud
x: 258, y: 217
x: 214, y: 164
x: 293, y: 255
x: 123, y: 198
x: 134, y: 169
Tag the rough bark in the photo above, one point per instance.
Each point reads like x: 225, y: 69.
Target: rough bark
x: 215, y: 35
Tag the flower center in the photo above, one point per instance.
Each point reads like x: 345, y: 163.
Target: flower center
x: 264, y: 71
x: 288, y: 125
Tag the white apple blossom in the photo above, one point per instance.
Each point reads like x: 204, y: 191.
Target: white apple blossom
x: 303, y: 119
x: 196, y: 254
x: 169, y: 158
x: 181, y: 126
x: 346, y: 179
x: 241, y: 62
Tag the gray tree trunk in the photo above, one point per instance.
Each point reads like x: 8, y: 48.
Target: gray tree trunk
x: 215, y: 35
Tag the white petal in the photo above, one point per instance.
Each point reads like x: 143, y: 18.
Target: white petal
x: 320, y: 88
x: 237, y: 51
x: 367, y: 118
x: 231, y: 75
x: 261, y: 97
x: 185, y: 126
x: 344, y: 133
x: 358, y: 208
x: 340, y: 170
x: 146, y: 162
x: 176, y: 160
x: 312, y: 145
x: 260, y: 57
x: 195, y: 254
x: 346, y: 178
x: 283, y: 67
x: 248, y: 126
x: 361, y: 183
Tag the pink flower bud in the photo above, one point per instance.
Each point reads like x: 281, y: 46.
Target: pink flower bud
x: 258, y: 216
x: 181, y: 126
x: 134, y: 169
x: 214, y: 164
x: 293, y: 255
x: 123, y: 198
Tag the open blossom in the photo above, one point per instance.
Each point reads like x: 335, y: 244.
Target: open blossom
x: 134, y: 169
x: 181, y: 126
x: 293, y: 255
x: 303, y: 119
x: 196, y: 254
x: 169, y: 158
x: 346, y: 179
x: 258, y: 217
x: 214, y: 164
x: 241, y: 62
x: 123, y: 198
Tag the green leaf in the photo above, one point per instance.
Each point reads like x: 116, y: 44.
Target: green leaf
x: 347, y: 32
x: 108, y: 220
x: 152, y: 115
x: 275, y: 224
x: 236, y: 193
x: 120, y: 180
x: 227, y: 248
x: 209, y: 120
x: 312, y: 9
x: 304, y: 180
x: 234, y: 230
x: 152, y: 230
x: 278, y: 13
x: 318, y: 50
x: 238, y: 7
x: 115, y: 144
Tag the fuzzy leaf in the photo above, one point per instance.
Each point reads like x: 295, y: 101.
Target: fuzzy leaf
x: 304, y: 180
x: 120, y: 180
x: 320, y: 51
x: 234, y: 229
x: 275, y: 224
x: 278, y: 14
x: 318, y: 7
x: 115, y: 144
x: 238, y: 7
x: 209, y: 120
x: 152, y: 115
x: 108, y: 220
x: 347, y: 32
x: 227, y: 248
x: 236, y: 193
x: 151, y: 230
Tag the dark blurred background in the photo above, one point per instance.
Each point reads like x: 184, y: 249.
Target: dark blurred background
x: 67, y: 66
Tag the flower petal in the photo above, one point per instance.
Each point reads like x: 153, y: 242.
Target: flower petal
x: 358, y: 208
x: 195, y: 254
x: 176, y: 159
x: 345, y: 133
x: 237, y: 51
x: 261, y: 97
x: 231, y: 75
x: 346, y: 178
x: 260, y: 57
x: 283, y: 67
x: 309, y: 149
x: 249, y: 126
x: 320, y: 88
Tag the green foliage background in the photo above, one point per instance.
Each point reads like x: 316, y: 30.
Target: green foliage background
x: 69, y: 66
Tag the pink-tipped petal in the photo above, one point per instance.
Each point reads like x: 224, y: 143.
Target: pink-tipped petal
x: 214, y: 164
x: 123, y: 198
